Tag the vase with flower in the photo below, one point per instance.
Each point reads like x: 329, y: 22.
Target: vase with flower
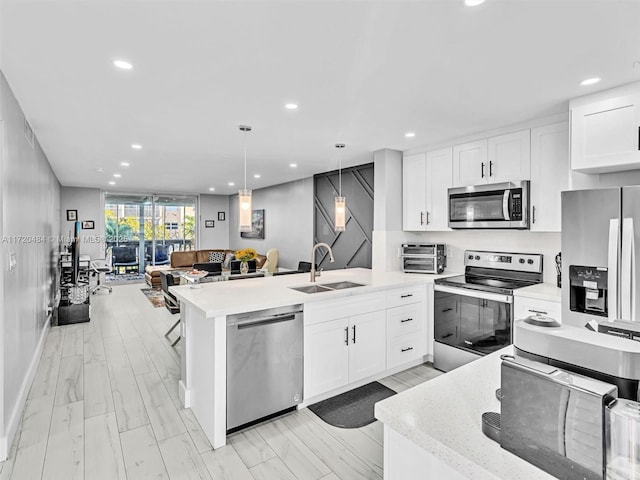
x: 244, y: 256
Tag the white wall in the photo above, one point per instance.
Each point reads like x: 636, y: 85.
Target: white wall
x: 218, y: 236
x: 288, y: 217
x: 89, y: 203
x: 30, y: 195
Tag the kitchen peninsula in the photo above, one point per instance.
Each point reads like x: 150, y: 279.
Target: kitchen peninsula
x: 434, y: 430
x: 385, y: 301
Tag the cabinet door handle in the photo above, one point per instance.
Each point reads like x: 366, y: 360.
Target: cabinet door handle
x: 346, y: 335
x: 638, y: 138
x: 354, y: 334
x: 533, y: 214
x: 490, y: 168
x: 427, y: 218
x: 482, y: 170
x: 406, y: 320
x: 447, y: 310
x: 407, y: 295
x: 421, y: 218
x: 406, y: 349
x: 539, y: 312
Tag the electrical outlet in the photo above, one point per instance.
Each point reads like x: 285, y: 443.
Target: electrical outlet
x: 12, y: 262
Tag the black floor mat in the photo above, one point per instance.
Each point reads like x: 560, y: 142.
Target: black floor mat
x: 352, y: 409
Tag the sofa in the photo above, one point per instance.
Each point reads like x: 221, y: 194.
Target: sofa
x: 186, y: 259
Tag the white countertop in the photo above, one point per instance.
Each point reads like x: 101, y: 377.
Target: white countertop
x: 237, y: 296
x: 541, y: 291
x: 444, y: 417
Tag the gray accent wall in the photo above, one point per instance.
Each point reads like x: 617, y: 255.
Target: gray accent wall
x: 288, y: 220
x: 89, y: 202
x: 353, y: 247
x: 30, y: 196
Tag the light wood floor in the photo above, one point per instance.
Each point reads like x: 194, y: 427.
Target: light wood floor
x: 104, y: 405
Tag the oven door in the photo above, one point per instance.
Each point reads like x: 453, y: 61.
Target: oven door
x: 469, y: 324
x: 420, y: 264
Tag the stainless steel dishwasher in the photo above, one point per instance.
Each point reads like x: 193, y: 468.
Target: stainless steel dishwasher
x: 264, y: 364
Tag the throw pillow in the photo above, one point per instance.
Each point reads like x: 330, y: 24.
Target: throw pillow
x: 227, y: 260
x: 216, y: 257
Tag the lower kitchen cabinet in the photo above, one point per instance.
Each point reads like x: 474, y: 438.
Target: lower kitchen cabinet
x: 344, y: 351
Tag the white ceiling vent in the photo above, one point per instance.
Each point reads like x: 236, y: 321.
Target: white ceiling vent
x: 28, y: 133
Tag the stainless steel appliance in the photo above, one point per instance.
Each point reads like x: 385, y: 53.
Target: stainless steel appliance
x: 424, y: 258
x: 473, y: 313
x: 554, y: 419
x: 264, y: 364
x: 498, y: 205
x: 599, y: 261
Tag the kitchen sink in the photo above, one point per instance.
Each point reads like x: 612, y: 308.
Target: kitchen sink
x: 311, y: 289
x: 342, y: 285
x: 326, y: 287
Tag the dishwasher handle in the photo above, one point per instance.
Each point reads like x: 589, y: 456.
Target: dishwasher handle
x: 260, y: 321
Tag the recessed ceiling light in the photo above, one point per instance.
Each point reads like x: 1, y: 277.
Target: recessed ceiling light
x: 123, y: 64
x: 100, y: 169
x: 293, y: 165
x: 112, y: 183
x: 136, y: 146
x: 291, y: 106
x: 590, y: 81
x: 256, y: 175
x: 117, y: 175
x: 409, y: 134
x: 473, y: 3
x: 212, y: 189
x: 231, y: 184
x: 124, y: 164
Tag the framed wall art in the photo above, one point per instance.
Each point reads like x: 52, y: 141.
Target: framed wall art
x: 209, y: 224
x: 72, y: 215
x: 257, y: 225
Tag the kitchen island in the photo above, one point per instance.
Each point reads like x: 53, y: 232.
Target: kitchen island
x: 203, y: 321
x: 434, y: 430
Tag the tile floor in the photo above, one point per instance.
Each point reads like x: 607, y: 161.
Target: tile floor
x: 104, y: 405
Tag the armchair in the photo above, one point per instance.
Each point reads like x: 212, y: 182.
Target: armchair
x: 161, y: 257
x: 124, y: 257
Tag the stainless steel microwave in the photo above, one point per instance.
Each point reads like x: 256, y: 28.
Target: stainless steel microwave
x: 424, y: 258
x: 498, y: 205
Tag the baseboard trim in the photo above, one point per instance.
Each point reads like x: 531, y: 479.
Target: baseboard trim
x: 14, y: 420
x: 184, y: 395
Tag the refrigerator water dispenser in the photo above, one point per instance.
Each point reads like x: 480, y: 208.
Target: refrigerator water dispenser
x: 588, y: 290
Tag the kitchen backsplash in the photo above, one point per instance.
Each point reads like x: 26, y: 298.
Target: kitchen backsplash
x: 458, y: 241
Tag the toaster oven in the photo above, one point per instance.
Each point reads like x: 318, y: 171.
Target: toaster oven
x: 424, y: 258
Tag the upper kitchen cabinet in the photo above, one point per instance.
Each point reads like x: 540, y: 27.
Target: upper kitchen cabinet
x: 497, y: 159
x: 470, y: 163
x: 509, y: 157
x: 425, y: 180
x: 605, y: 130
x: 549, y: 175
x: 414, y: 192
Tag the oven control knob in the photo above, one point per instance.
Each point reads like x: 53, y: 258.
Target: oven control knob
x: 521, y: 260
x: 477, y: 257
x: 530, y: 262
x: 470, y: 257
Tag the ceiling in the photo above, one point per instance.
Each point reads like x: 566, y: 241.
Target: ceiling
x: 363, y: 73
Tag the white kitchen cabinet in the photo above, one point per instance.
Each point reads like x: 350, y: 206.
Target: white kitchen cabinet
x: 439, y: 179
x: 509, y: 157
x: 406, y: 333
x: 367, y: 345
x: 502, y: 158
x: 605, y: 131
x: 342, y: 351
x: 549, y: 175
x: 414, y: 196
x: 326, y: 356
x: 425, y: 180
x: 470, y: 163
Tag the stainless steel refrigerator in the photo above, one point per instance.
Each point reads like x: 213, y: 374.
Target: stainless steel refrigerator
x: 599, y: 263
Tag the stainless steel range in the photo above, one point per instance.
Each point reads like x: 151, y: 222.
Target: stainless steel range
x: 473, y: 313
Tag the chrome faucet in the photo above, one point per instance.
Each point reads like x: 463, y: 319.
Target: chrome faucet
x: 315, y: 274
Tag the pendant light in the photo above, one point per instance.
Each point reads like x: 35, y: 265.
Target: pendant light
x: 340, y: 201
x: 244, y: 196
